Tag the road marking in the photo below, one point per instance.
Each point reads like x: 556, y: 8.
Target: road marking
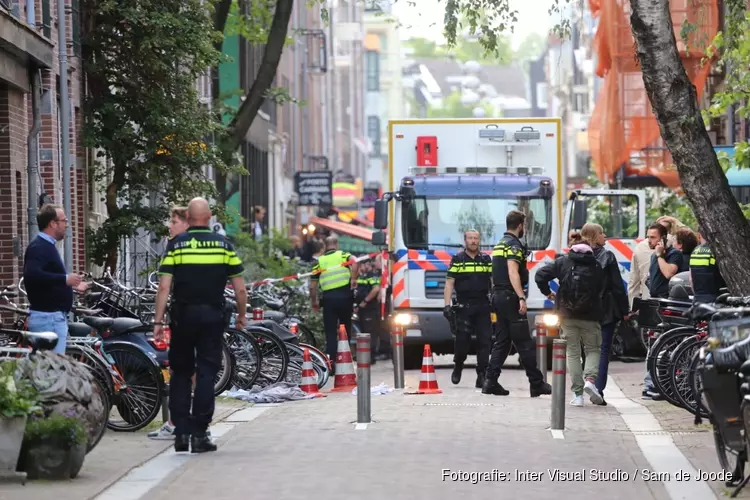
x: 360, y: 427
x: 557, y: 433
x: 660, y: 451
x: 142, y: 479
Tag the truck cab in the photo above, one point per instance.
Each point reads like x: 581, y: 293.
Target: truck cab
x: 448, y: 176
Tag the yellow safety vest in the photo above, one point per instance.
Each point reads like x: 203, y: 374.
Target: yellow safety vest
x: 334, y: 277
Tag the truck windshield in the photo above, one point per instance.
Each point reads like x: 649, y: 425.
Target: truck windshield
x: 439, y: 223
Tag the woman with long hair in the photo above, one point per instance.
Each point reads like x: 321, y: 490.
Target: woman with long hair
x: 614, y: 299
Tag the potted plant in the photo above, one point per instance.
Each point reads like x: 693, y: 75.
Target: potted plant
x: 54, y: 445
x: 17, y: 401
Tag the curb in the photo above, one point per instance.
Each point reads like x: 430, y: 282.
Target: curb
x: 220, y: 416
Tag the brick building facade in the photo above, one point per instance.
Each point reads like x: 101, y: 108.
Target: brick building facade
x: 28, y: 46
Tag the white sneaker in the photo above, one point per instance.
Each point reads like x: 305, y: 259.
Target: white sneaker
x: 577, y: 401
x: 593, y: 393
x: 165, y: 432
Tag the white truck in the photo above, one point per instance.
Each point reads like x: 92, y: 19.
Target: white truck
x: 449, y: 175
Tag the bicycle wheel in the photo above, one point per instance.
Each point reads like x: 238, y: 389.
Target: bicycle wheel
x: 97, y: 433
x: 224, y: 377
x: 320, y: 359
x: 274, y: 356
x: 306, y: 336
x: 661, y: 374
x: 657, y: 344
x: 680, y: 372
x: 103, y: 380
x: 696, y: 384
x: 140, y: 402
x: 294, y: 369
x: 246, y: 357
x: 729, y: 460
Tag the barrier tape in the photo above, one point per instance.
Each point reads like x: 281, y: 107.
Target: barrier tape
x: 313, y: 273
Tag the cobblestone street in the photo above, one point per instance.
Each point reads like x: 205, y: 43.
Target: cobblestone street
x: 418, y: 446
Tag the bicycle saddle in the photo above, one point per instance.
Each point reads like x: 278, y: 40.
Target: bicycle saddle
x: 43, y: 341
x: 116, y: 326
x: 701, y: 312
x: 78, y: 329
x: 276, y: 316
x: 82, y: 311
x: 274, y: 304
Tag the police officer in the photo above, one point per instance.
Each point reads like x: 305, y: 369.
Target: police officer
x: 198, y: 263
x: 336, y: 282
x: 469, y: 273
x: 511, y: 278
x: 368, y: 287
x: 705, y: 277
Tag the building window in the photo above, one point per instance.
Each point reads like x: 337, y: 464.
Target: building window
x: 372, y: 58
x: 373, y: 132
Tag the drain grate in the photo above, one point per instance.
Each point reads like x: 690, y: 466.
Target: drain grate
x: 664, y: 433
x: 455, y: 404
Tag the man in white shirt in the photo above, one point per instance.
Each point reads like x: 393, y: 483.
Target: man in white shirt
x: 639, y: 272
x: 258, y: 230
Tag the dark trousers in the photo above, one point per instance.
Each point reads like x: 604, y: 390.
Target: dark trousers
x: 337, y: 309
x: 196, y: 346
x: 608, y: 333
x: 512, y: 327
x: 369, y: 322
x: 473, y: 319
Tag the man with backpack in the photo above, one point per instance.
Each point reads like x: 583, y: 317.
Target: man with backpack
x: 579, y: 305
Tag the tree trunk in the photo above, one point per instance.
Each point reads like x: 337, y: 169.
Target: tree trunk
x: 675, y: 103
x: 112, y: 211
x: 254, y: 98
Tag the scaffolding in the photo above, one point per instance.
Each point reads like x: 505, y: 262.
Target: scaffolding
x: 623, y: 131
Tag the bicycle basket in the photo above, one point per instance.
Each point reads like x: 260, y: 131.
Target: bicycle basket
x: 729, y: 331
x: 723, y: 397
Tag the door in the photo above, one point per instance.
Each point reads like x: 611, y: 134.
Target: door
x: 622, y: 213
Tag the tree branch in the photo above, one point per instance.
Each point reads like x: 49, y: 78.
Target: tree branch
x: 221, y: 13
x: 266, y: 72
x: 675, y: 104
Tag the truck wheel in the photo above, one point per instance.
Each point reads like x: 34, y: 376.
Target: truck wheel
x: 413, y: 357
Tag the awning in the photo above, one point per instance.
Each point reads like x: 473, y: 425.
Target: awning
x: 343, y: 228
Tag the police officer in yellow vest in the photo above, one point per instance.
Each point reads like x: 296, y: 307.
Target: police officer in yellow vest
x: 337, y: 283
x: 368, y: 289
x: 704, y: 273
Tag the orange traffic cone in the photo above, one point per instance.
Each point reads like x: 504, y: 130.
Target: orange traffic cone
x: 345, y: 379
x: 428, y: 380
x: 309, y: 383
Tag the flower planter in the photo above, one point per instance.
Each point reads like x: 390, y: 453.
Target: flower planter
x: 11, y: 439
x: 45, y: 461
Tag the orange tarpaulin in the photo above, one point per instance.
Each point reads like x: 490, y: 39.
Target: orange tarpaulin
x: 360, y: 232
x: 623, y: 129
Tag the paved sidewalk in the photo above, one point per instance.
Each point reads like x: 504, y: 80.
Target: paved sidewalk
x: 113, y: 457
x: 312, y: 446
x: 695, y: 442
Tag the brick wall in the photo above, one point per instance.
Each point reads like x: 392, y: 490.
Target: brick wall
x: 15, y: 123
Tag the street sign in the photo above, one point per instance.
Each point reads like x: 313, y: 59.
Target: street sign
x: 314, y: 188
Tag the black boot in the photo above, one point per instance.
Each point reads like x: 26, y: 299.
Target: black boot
x: 201, y: 444
x: 456, y: 375
x: 539, y: 390
x: 181, y: 442
x: 480, y: 380
x: 493, y: 388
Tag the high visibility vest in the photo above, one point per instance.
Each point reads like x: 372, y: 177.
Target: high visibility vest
x: 334, y: 277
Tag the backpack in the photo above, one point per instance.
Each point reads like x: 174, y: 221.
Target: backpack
x: 580, y: 288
